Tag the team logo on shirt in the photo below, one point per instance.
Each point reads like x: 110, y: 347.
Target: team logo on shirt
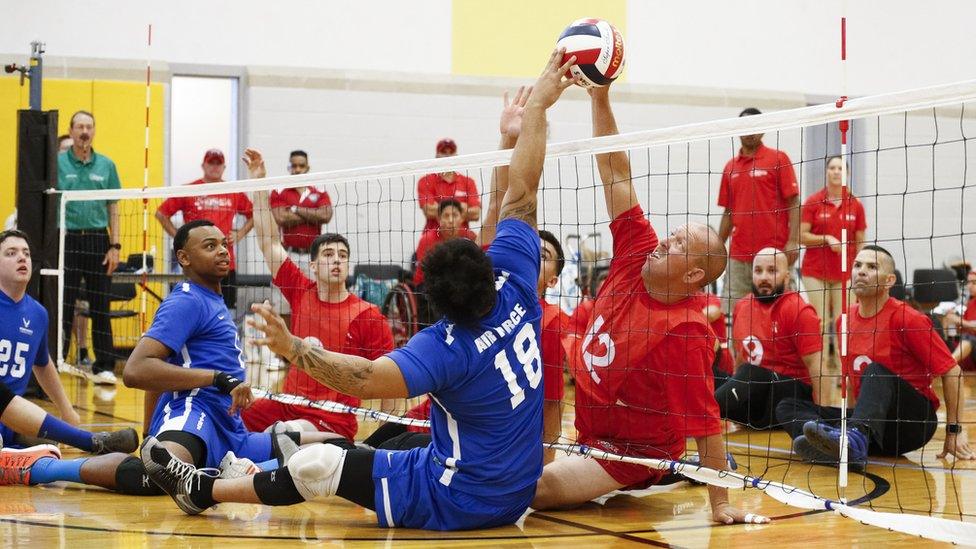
x: 96, y: 177
x: 603, y: 338
x: 860, y: 362
x: 754, y: 350
x: 25, y: 329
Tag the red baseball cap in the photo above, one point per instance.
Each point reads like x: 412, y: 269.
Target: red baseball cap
x: 213, y: 156
x: 446, y: 144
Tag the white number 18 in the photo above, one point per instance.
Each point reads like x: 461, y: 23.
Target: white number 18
x: 528, y: 355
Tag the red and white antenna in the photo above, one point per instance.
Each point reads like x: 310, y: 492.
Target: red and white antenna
x: 844, y: 126
x: 145, y: 185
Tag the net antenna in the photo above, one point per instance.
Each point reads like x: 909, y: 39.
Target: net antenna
x: 145, y: 185
x: 844, y: 126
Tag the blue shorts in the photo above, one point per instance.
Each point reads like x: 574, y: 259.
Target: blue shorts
x: 409, y: 495
x: 220, y: 431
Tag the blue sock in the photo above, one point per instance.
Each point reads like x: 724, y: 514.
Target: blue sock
x: 47, y: 470
x: 55, y: 429
x: 269, y: 465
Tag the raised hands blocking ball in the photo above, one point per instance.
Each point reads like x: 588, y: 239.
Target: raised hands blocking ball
x: 599, y: 51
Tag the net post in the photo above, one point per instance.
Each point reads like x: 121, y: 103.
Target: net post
x: 62, y: 220
x: 843, y: 126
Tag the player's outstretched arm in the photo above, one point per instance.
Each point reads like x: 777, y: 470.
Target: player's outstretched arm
x: 47, y: 378
x: 521, y: 199
x: 711, y: 450
x: 510, y: 125
x: 148, y: 370
x: 266, y: 229
x: 353, y: 375
x: 614, y: 167
x: 955, y: 444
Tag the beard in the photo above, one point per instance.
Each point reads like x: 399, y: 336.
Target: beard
x: 777, y: 292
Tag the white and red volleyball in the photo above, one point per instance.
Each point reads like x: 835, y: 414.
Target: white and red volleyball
x: 599, y: 50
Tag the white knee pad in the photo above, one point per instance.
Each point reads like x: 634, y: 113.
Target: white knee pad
x: 295, y: 426
x: 316, y: 469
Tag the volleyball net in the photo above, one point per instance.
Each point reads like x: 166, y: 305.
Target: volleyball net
x: 907, y: 165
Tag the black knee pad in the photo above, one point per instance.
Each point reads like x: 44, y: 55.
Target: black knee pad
x: 6, y: 395
x: 192, y: 443
x: 131, y: 479
x: 343, y: 443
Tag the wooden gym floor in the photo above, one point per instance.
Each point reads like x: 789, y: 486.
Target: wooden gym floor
x: 70, y: 515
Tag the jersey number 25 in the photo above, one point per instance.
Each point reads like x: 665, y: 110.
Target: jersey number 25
x: 19, y: 360
x: 527, y: 353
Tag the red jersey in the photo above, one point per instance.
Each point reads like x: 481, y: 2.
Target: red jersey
x: 644, y: 379
x: 555, y: 325
x: 902, y: 340
x: 300, y: 236
x: 720, y: 329
x: 776, y: 336
x: 428, y: 240
x: 420, y: 411
x: 970, y: 314
x: 353, y: 327
x: 432, y: 188
x: 755, y: 190
x: 825, y: 217
x: 218, y: 208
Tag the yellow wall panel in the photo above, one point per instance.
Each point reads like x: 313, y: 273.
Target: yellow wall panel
x: 515, y: 37
x: 119, y: 109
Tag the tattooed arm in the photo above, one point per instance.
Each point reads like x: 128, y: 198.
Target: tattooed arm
x: 349, y: 374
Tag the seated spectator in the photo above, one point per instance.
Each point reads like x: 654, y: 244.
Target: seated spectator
x: 435, y: 187
x: 449, y: 215
x: 966, y: 326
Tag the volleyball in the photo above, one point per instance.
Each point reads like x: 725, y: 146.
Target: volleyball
x: 599, y: 50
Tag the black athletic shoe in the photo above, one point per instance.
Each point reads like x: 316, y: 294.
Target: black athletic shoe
x: 175, y: 477
x: 106, y: 442
x: 282, y: 445
x: 812, y: 453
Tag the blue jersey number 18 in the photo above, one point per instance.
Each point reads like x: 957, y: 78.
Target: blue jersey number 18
x: 527, y: 353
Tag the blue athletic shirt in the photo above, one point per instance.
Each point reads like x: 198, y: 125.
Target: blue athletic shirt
x: 200, y: 333
x: 485, y: 383
x: 23, y: 340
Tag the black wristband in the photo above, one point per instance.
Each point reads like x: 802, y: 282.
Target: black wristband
x: 953, y: 428
x: 115, y: 246
x: 225, y: 382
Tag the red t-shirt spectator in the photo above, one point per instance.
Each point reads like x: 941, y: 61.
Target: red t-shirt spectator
x: 776, y: 336
x: 300, y: 236
x: 428, y: 240
x: 644, y: 378
x: 756, y: 190
x: 902, y: 340
x: 432, y: 189
x: 827, y: 218
x: 353, y: 327
x: 218, y: 208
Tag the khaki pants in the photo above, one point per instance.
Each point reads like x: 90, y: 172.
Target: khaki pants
x: 825, y: 295
x: 737, y: 283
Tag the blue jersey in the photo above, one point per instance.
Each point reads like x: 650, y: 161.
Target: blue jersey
x: 486, y: 381
x: 23, y: 340
x: 199, y: 330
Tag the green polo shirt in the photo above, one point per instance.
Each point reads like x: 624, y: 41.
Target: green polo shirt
x: 98, y: 173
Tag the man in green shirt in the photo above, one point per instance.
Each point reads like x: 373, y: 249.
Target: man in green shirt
x: 92, y: 246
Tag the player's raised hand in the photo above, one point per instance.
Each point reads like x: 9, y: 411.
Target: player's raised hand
x: 957, y: 445
x: 726, y: 514
x: 241, y: 398
x: 276, y: 334
x: 255, y: 163
x: 510, y: 123
x: 553, y: 80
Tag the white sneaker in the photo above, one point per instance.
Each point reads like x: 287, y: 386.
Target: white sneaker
x: 106, y: 377
x: 232, y: 466
x: 71, y: 369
